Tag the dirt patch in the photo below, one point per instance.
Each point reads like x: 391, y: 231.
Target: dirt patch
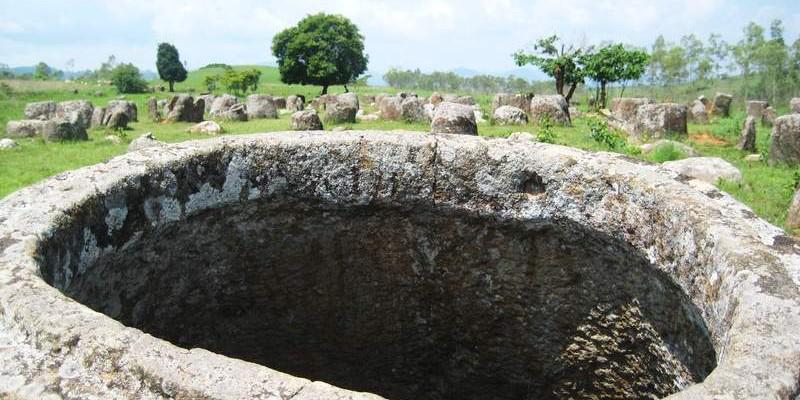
x: 707, y: 139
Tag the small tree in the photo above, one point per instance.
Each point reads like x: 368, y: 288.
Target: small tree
x: 169, y: 65
x: 42, y: 72
x: 321, y: 50
x: 613, y: 63
x: 127, y: 79
x: 559, y: 62
x: 239, y: 81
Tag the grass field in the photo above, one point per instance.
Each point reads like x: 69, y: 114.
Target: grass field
x: 767, y: 190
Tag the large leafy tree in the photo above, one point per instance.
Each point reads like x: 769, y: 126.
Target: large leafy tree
x: 613, y: 63
x: 127, y: 79
x: 556, y: 60
x: 168, y: 63
x: 321, y: 50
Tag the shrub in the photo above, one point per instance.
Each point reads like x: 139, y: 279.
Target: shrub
x: 127, y: 79
x: 238, y: 81
x: 601, y: 133
x: 546, y: 133
x: 666, y: 152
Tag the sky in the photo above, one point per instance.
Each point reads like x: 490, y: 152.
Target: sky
x: 428, y: 34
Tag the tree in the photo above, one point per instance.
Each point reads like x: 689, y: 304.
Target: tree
x: 42, y: 72
x: 238, y: 81
x: 321, y: 50
x: 559, y: 62
x: 613, y: 63
x: 169, y: 65
x: 746, y: 51
x: 127, y: 79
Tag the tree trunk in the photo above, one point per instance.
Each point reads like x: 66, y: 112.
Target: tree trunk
x: 571, y: 92
x: 603, y: 94
x: 171, y: 89
x: 324, y: 90
x: 560, y: 85
x: 345, y: 89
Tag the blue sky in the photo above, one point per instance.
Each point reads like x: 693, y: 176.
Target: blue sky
x: 429, y: 34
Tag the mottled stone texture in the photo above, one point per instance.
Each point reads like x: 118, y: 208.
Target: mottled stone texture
x: 410, y: 265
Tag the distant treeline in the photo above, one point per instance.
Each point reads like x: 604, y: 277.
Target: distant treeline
x: 450, y: 82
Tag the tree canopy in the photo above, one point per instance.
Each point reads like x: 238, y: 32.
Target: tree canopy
x: 321, y: 50
x: 127, y: 79
x: 558, y: 61
x: 168, y: 63
x: 613, y: 63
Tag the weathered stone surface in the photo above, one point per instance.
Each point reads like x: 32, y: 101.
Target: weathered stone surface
x: 25, y: 128
x: 77, y: 113
x: 62, y: 129
x: 590, y: 276
x: 755, y: 108
x: 686, y: 150
x: 145, y: 141
x: 574, y: 113
x: 454, y: 118
x: 624, y: 108
x: 207, y: 127
x: 6, y: 143
x: 390, y: 108
x: 793, y: 214
x: 435, y: 98
x: 222, y: 104
x: 98, y: 116
x: 280, y: 102
x: 785, y: 140
x: 698, y: 113
x: 522, y: 137
x: 706, y: 102
x: 306, y: 120
x: 237, y: 112
x: 208, y: 101
x: 261, y: 106
x: 706, y: 169
x: 722, y: 105
x: 118, y: 120
x: 295, y: 103
x: 753, y: 158
x: 412, y: 110
x: 794, y: 105
x: 128, y: 107
x: 341, y: 108
x: 769, y: 116
x: 510, y: 115
x: 466, y: 100
x: 554, y: 106
x: 655, y: 120
x: 185, y: 108
x: 153, y: 112
x: 519, y: 101
x: 42, y: 110
x: 747, y: 140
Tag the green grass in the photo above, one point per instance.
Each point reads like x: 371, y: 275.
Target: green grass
x: 767, y: 190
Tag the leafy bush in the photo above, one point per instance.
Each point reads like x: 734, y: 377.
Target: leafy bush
x: 237, y: 81
x: 666, y: 152
x: 601, y: 133
x: 127, y: 79
x: 546, y: 133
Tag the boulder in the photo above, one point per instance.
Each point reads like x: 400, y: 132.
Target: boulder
x: 698, y: 113
x: 76, y: 112
x: 128, y: 107
x: 59, y: 129
x: 295, y: 103
x: 519, y: 101
x: 207, y: 127
x: 655, y: 120
x: 152, y: 110
x: 747, y: 141
x: 684, y: 149
x: 145, y: 141
x: 25, y: 128
x: 413, y: 110
x: 306, y: 120
x: 755, y: 108
x: 221, y: 105
x: 624, y: 108
x: 466, y: 100
x: 705, y: 101
x: 341, y: 108
x: 280, y: 102
x: 261, y: 106
x: 208, y: 101
x: 237, y: 112
x: 391, y: 108
x: 522, y: 137
x: 454, y: 118
x: 722, y: 105
x: 42, y: 110
x: 98, y: 116
x: 794, y: 105
x: 785, y: 140
x: 554, y: 106
x: 510, y: 115
x: 793, y: 214
x: 707, y: 169
x: 435, y: 99
x: 429, y: 109
x: 185, y: 108
x: 478, y: 115
x: 769, y: 116
x: 118, y: 120
x: 7, y: 143
x: 574, y: 112
x: 751, y: 158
